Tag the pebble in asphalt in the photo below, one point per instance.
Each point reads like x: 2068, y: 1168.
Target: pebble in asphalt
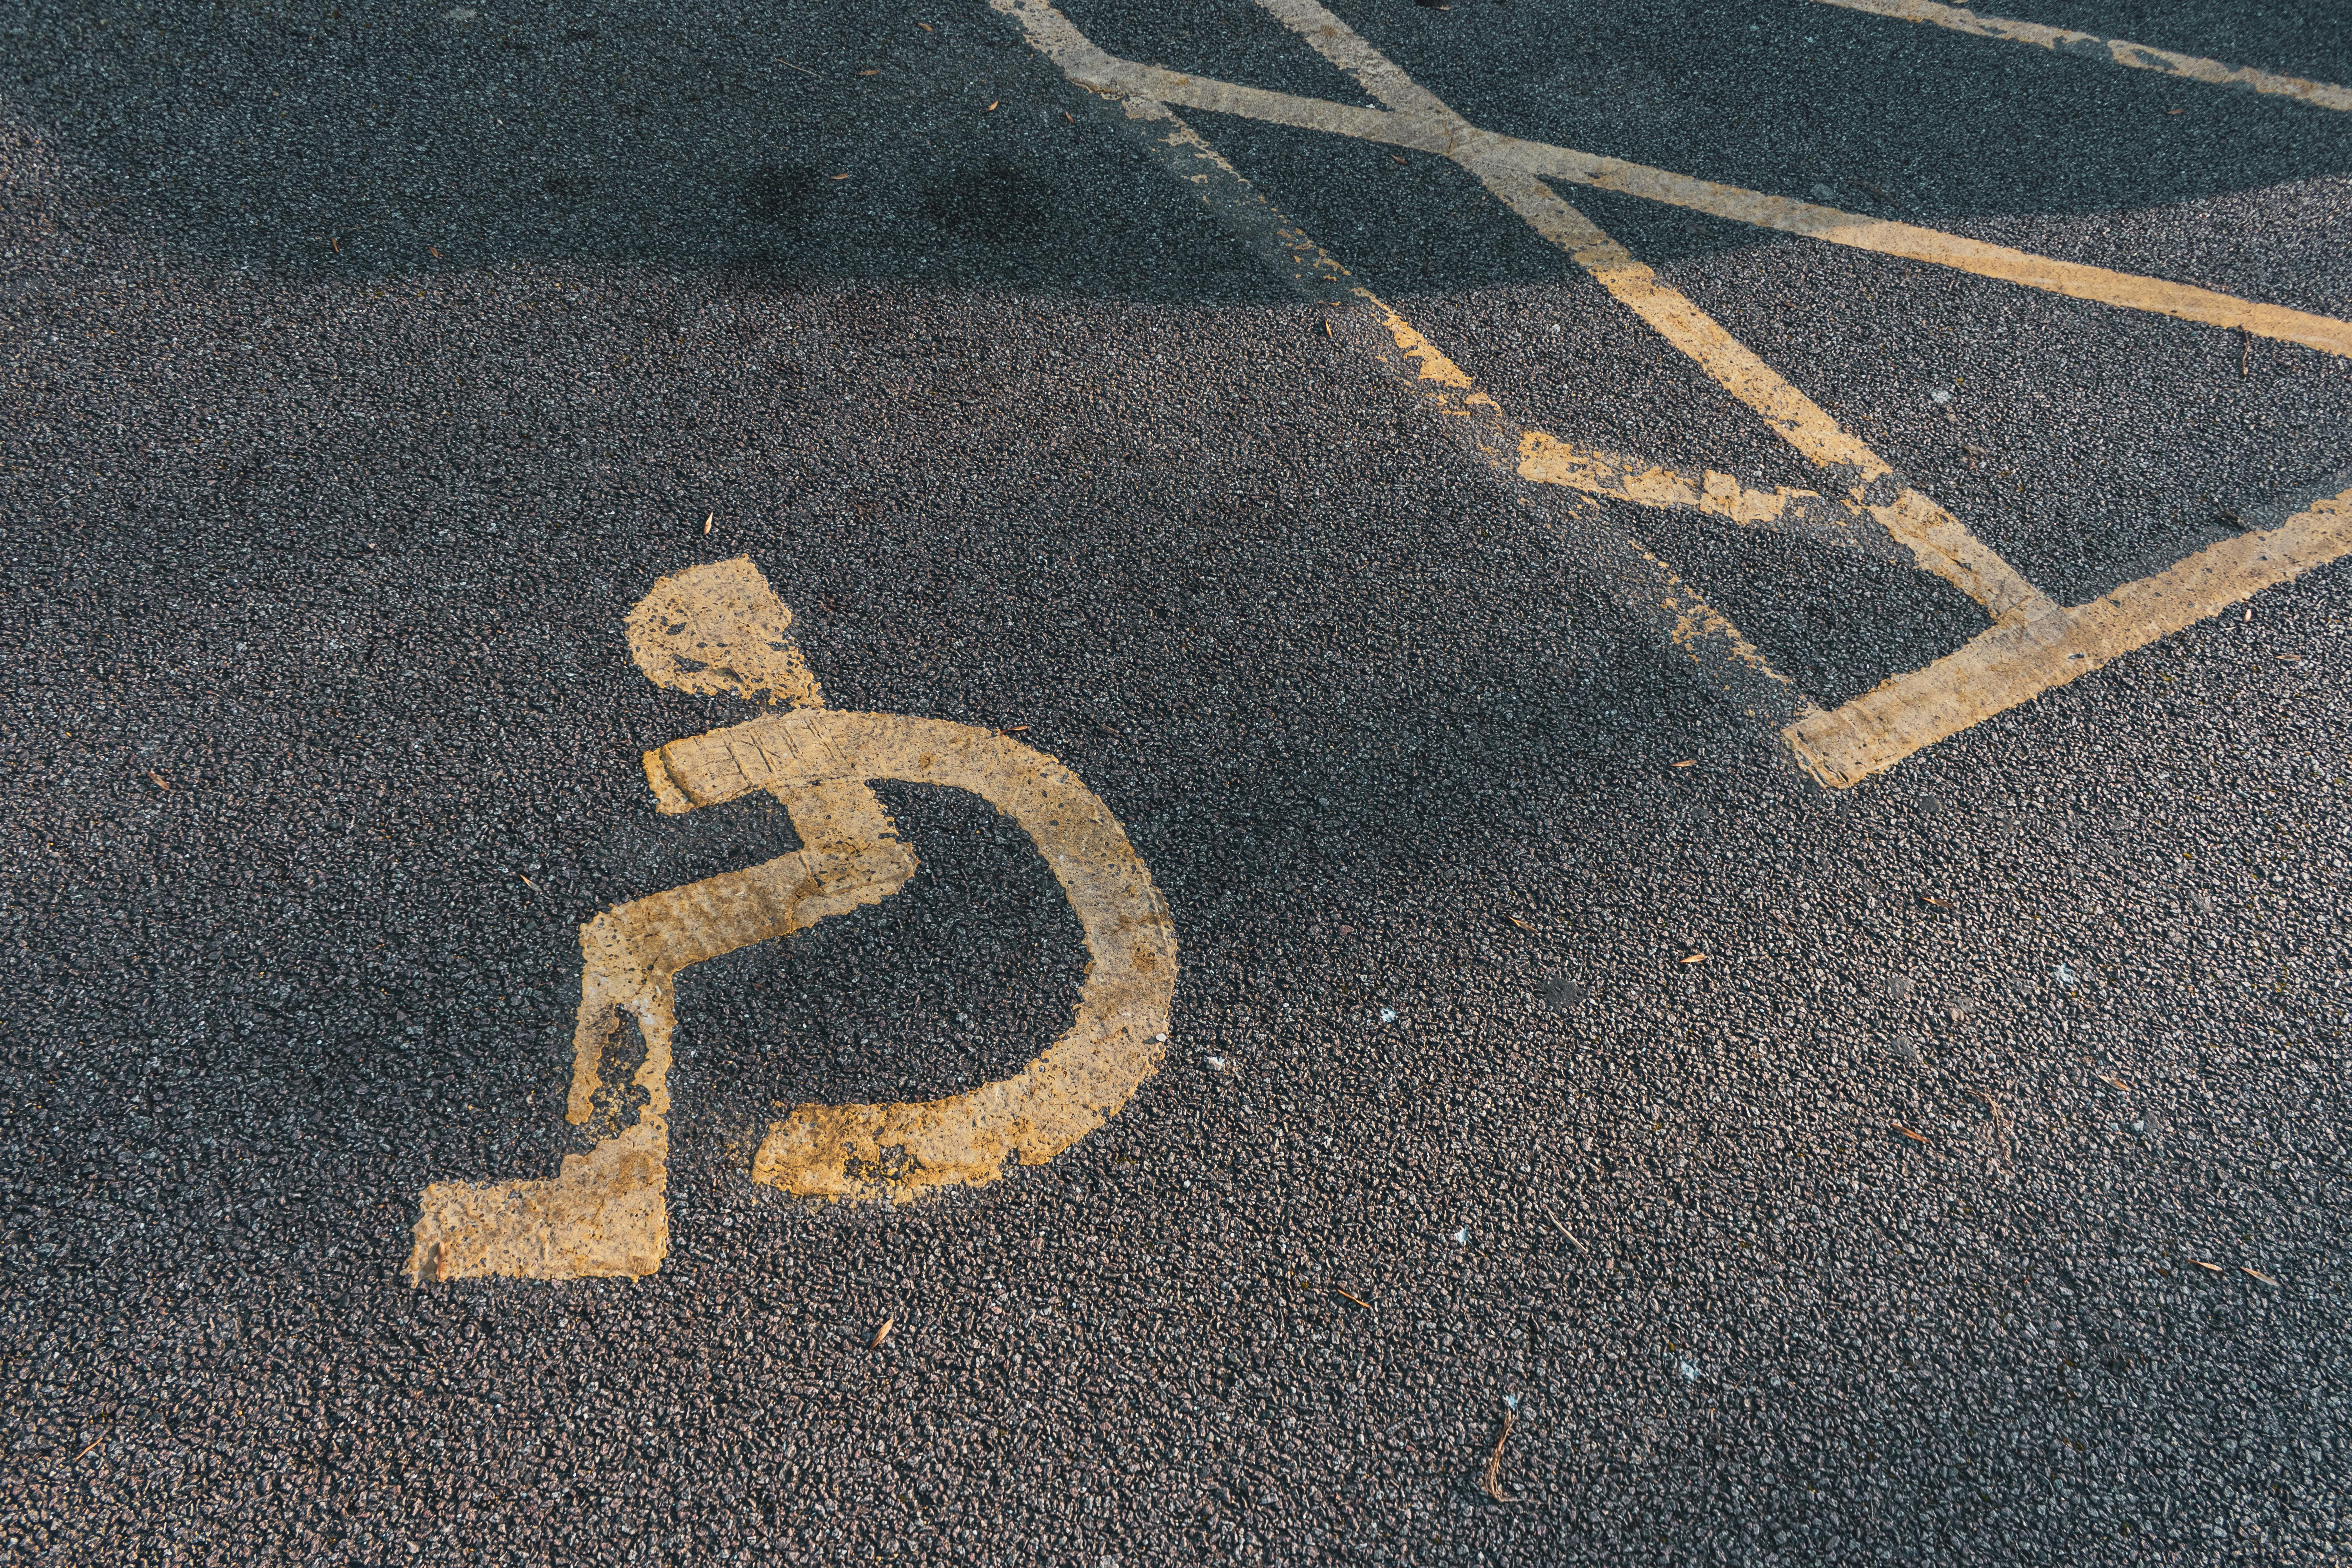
x: 1977, y: 1194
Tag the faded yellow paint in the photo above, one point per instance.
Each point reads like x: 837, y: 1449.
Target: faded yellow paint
x: 605, y: 1216
x: 2138, y: 57
x: 1795, y: 418
x: 1542, y: 458
x: 720, y: 628
x: 1697, y: 624
x: 1429, y: 361
x: 1418, y: 126
x: 1118, y: 1037
x: 1479, y: 425
x: 1999, y: 668
x: 2014, y: 663
x: 1308, y: 263
x: 1937, y: 542
x: 1941, y: 545
x: 1546, y: 461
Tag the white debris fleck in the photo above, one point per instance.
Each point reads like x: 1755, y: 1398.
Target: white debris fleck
x: 1217, y: 1063
x: 1510, y: 1402
x: 2063, y: 975
x: 1689, y: 1369
x: 1462, y: 1237
x: 1942, y: 395
x: 1387, y: 1015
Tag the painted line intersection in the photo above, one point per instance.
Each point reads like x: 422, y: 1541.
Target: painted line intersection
x: 2033, y: 645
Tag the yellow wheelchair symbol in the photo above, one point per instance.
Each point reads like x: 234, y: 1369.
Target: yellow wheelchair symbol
x: 721, y: 629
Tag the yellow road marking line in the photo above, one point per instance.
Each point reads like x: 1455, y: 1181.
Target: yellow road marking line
x: 1798, y: 419
x: 1670, y: 313
x: 1697, y: 625
x: 1937, y: 542
x: 2139, y: 56
x: 2013, y: 664
x: 1543, y: 458
x: 1239, y: 206
x: 1689, y: 622
x: 1996, y: 671
x: 1447, y: 136
x: 1479, y: 425
x: 1351, y: 52
x: 1942, y: 545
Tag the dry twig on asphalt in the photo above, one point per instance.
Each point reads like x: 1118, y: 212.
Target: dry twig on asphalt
x: 2004, y: 1134
x: 1495, y: 1459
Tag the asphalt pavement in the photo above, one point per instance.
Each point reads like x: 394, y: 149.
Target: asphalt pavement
x: 1582, y: 1136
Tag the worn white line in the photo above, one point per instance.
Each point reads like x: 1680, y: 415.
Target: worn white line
x: 2090, y: 46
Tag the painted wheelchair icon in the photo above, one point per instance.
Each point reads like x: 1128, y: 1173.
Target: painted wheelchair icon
x: 720, y: 628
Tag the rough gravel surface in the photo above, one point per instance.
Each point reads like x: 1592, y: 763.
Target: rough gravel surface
x: 1948, y: 1170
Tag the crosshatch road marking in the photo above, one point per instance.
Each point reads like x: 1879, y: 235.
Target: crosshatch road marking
x: 1449, y: 137
x: 1937, y: 543
x: 2035, y: 644
x: 719, y: 628
x: 2139, y: 56
x: 1525, y: 462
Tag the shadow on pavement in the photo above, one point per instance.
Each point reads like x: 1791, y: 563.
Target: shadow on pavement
x: 933, y: 146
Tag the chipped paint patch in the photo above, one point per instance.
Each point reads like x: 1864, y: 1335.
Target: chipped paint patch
x: 1698, y: 626
x: 1429, y: 361
x: 1546, y: 461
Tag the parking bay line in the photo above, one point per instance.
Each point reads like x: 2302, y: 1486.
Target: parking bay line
x: 1091, y: 66
x: 2036, y: 646
x: 2011, y: 665
x: 1994, y: 671
x: 2138, y: 57
x: 1528, y: 455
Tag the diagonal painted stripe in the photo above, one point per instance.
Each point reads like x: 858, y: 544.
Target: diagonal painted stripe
x: 1449, y: 137
x: 1692, y: 626
x: 2138, y: 57
x: 2014, y: 664
x: 1936, y: 540
x: 1477, y: 424
x: 1796, y: 417
x: 2035, y: 644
